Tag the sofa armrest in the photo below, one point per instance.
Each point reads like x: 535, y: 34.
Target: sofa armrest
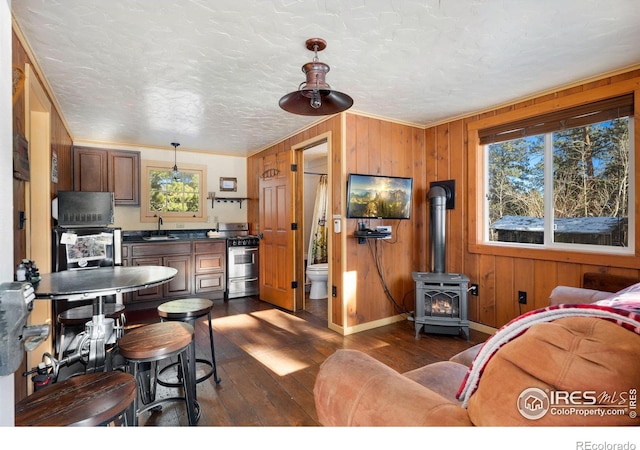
x: 573, y: 295
x: 354, y: 389
x: 467, y: 356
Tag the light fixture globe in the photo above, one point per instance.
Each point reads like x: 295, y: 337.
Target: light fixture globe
x: 315, y: 97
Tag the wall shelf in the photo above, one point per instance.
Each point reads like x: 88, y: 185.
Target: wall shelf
x: 227, y: 200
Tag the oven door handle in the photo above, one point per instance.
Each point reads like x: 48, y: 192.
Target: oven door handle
x: 242, y: 280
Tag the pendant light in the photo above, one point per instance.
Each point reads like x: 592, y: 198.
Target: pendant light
x: 315, y: 97
x: 176, y: 173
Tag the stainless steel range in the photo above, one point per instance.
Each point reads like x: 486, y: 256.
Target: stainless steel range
x: 242, y: 259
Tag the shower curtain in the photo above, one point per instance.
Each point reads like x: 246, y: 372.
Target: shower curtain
x: 318, y: 240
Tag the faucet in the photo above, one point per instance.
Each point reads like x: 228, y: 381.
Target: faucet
x: 159, y: 223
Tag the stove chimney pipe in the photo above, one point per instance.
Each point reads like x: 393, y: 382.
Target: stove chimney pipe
x: 437, y: 224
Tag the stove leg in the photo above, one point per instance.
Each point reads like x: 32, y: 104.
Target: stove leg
x: 418, y: 328
x: 465, y: 331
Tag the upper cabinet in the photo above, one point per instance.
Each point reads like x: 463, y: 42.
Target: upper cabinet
x: 106, y: 170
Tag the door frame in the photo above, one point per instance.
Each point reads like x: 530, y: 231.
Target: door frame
x: 298, y: 149
x: 38, y: 198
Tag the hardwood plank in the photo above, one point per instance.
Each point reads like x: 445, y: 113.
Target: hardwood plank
x: 268, y: 359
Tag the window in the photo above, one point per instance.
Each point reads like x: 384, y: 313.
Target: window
x: 562, y: 179
x: 180, y: 199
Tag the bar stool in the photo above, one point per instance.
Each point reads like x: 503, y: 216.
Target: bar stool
x: 189, y: 310
x: 80, y: 315
x: 144, y: 347
x: 97, y: 398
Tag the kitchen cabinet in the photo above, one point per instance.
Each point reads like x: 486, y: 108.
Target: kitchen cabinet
x: 210, y: 263
x: 107, y: 170
x: 201, y: 266
x: 171, y: 254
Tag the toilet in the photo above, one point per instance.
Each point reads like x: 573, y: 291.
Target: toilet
x: 318, y: 275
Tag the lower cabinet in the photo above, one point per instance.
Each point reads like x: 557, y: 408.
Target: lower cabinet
x: 200, y: 265
x: 210, y: 262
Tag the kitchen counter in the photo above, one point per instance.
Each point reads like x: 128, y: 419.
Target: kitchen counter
x: 172, y: 236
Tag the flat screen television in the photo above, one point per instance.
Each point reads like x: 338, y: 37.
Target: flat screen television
x: 378, y: 197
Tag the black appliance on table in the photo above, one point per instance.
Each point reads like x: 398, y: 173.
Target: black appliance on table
x: 242, y: 259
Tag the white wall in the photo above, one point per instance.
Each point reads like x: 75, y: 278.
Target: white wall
x: 6, y: 195
x: 128, y: 217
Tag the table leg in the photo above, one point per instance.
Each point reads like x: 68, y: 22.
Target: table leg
x: 97, y: 338
x: 97, y: 342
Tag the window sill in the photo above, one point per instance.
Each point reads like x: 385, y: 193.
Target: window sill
x: 567, y: 256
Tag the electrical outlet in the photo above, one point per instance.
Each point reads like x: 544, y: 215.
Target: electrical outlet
x: 474, y: 290
x: 522, y: 297
x: 179, y: 225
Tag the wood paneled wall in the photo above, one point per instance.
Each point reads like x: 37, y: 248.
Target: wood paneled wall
x: 502, y: 273
x: 378, y: 147
x: 61, y: 141
x: 370, y: 146
x: 446, y: 152
x: 60, y: 144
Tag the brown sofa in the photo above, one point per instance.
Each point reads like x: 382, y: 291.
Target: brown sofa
x: 575, y: 360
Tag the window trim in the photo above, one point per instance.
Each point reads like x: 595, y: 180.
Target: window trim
x: 147, y: 215
x: 476, y: 176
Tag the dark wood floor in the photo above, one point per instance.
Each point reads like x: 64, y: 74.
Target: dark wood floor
x: 268, y: 360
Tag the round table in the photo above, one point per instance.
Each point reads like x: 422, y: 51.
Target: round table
x: 98, y: 283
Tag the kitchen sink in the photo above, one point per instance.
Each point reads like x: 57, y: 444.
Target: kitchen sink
x: 168, y: 237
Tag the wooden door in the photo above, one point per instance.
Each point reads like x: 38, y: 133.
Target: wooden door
x: 277, y: 245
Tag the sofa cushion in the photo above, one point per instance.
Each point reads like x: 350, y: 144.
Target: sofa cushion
x: 467, y: 356
x: 442, y: 377
x: 568, y: 355
x: 354, y: 389
x: 574, y: 295
x: 627, y: 299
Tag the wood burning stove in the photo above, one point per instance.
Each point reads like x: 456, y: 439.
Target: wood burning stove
x: 441, y: 298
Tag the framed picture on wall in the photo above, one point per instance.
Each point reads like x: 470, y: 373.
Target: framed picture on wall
x: 20, y: 157
x: 228, y: 184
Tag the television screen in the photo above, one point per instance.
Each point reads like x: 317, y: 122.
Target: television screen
x: 378, y: 197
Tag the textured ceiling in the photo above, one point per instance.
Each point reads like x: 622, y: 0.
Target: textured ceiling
x: 209, y: 73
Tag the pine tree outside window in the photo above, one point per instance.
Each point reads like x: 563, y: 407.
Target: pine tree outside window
x: 562, y: 180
